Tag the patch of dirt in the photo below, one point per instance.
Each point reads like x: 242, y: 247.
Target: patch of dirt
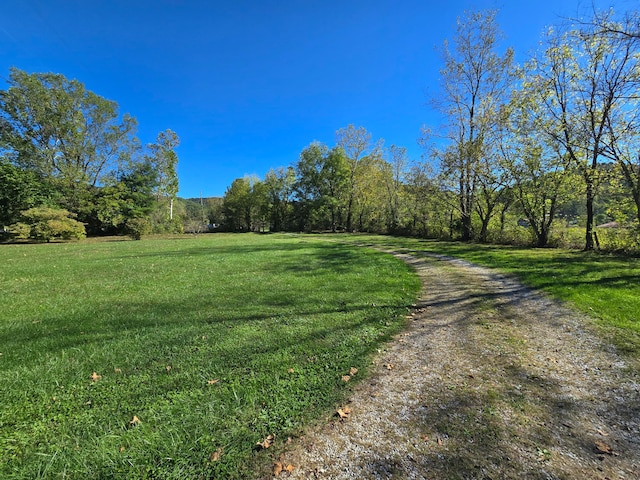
x: 491, y: 380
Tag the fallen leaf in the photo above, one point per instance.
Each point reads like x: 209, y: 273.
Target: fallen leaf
x: 135, y: 420
x: 122, y: 449
x: 389, y: 366
x: 343, y: 412
x: 424, y: 438
x: 291, y: 370
x: 277, y: 469
x: 215, y: 456
x: 117, y: 370
x: 213, y: 382
x: 604, y: 434
x: 440, y: 441
x: 289, y: 468
x: 95, y: 377
x: 602, y: 447
x: 168, y: 368
x: 346, y: 378
x: 267, y: 442
x: 353, y: 371
x: 289, y: 440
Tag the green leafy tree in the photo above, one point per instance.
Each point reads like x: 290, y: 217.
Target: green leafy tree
x: 394, y: 172
x: 357, y: 144
x: 237, y: 205
x: 165, y: 161
x: 57, y: 128
x: 322, y: 186
x: 20, y: 190
x: 279, y: 185
x: 474, y: 81
x: 589, y: 79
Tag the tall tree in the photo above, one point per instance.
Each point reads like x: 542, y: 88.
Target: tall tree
x: 165, y: 161
x: 279, y: 184
x: 57, y: 128
x: 537, y: 170
x: 237, y: 205
x: 321, y: 183
x: 622, y: 84
x: 395, y: 169
x: 474, y: 81
x: 357, y: 144
x: 585, y: 76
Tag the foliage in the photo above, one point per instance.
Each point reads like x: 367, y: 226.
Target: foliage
x: 57, y: 128
x: 66, y: 147
x: 180, y: 348
x: 136, y: 227
x: 474, y: 81
x: 46, y: 224
x: 20, y: 190
x: 164, y: 159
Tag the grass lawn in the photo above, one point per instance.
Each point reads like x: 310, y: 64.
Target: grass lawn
x: 172, y: 358
x: 606, y: 287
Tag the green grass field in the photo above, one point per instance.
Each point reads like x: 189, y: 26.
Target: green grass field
x: 172, y: 358
x: 606, y: 287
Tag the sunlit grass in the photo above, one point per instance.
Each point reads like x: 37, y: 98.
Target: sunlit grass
x: 211, y: 343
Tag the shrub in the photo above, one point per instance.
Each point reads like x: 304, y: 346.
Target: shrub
x: 46, y: 224
x: 137, y: 227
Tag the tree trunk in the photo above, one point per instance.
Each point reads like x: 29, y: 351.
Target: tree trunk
x: 589, y: 229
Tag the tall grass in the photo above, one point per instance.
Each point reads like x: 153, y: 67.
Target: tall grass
x: 172, y: 358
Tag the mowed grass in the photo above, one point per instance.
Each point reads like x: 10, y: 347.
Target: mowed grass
x: 172, y: 358
x: 606, y: 287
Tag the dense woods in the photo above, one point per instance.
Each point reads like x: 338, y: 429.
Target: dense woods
x: 526, y: 154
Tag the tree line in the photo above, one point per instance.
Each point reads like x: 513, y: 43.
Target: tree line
x: 71, y: 165
x: 524, y: 149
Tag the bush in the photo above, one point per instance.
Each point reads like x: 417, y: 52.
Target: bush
x: 137, y: 227
x: 46, y: 224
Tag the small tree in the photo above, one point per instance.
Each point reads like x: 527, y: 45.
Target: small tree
x: 46, y: 224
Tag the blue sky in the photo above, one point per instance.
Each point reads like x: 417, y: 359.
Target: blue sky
x: 248, y: 84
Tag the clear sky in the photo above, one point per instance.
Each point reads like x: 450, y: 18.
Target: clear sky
x: 247, y: 84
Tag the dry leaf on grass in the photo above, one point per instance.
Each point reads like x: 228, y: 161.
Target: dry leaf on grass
x: 346, y: 378
x: 291, y: 370
x: 353, y: 371
x: 215, y: 456
x: 267, y: 442
x: 135, y: 421
x: 213, y: 381
x: 95, y: 377
x: 389, y: 366
x: 168, y: 368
